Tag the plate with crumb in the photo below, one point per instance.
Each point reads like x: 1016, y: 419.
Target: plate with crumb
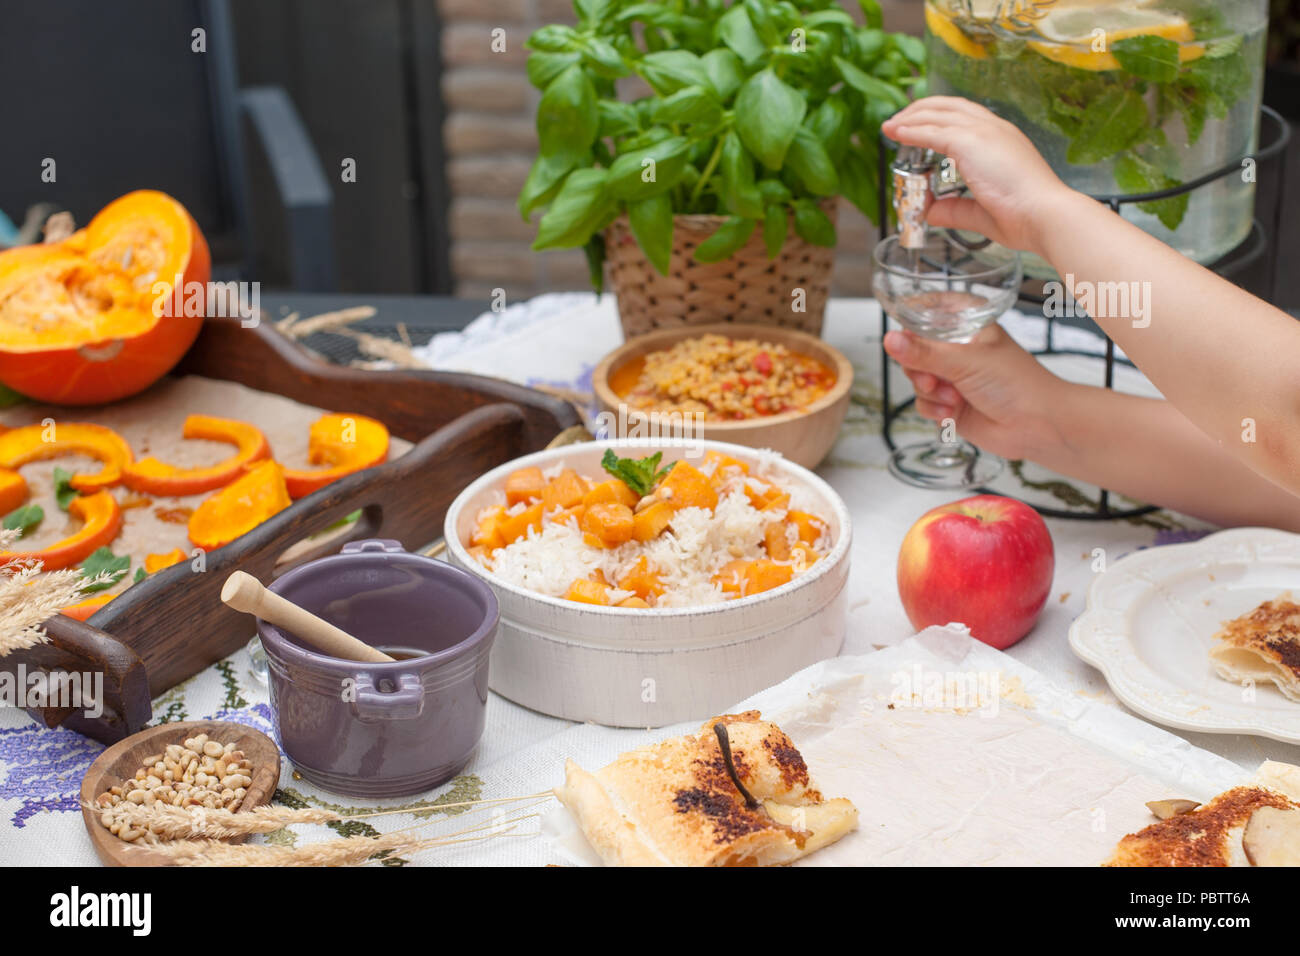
x: 1203, y: 636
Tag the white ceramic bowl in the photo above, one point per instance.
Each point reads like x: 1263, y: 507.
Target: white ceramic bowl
x: 625, y: 667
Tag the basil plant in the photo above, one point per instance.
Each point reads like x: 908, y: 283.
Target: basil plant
x: 758, y: 109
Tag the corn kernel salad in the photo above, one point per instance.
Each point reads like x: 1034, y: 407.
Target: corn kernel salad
x: 723, y: 379
x: 642, y: 537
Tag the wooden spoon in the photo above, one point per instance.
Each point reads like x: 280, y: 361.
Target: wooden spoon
x: 120, y: 762
x: 245, y: 593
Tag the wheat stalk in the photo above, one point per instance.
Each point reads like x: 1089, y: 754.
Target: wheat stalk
x: 167, y: 822
x: 30, y: 597
x: 328, y: 321
x: 346, y: 851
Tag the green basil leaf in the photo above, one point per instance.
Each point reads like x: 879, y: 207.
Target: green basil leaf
x: 874, y: 89
x: 23, y: 519
x: 808, y: 160
x: 592, y: 11
x: 740, y: 193
x: 768, y: 113
x: 652, y: 224
x: 650, y: 170
x: 543, y: 68
x: 832, y: 16
x: 773, y: 192
x: 1111, y: 123
x: 140, y: 575
x: 869, y: 44
x: 104, y: 561
x: 669, y: 70
x: 736, y: 30
x: 729, y: 237
x: 765, y: 24
x: 691, y: 104
x: 871, y: 11
x: 812, y: 224
x: 553, y: 38
x: 656, y: 14
x: 832, y: 123
x: 604, y: 58
x: 1152, y: 58
x: 775, y: 227
x: 858, y: 183
x: 64, y: 493
x: 543, y: 182
x: 618, y: 118
x: 567, y: 117
x: 912, y: 48
x: 725, y: 71
x: 580, y: 207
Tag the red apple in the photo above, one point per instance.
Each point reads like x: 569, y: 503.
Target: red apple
x: 985, y: 562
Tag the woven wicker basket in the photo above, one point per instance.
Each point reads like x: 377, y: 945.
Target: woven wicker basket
x: 748, y: 287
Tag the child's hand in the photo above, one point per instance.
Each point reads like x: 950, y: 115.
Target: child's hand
x: 1016, y: 196
x: 998, y: 394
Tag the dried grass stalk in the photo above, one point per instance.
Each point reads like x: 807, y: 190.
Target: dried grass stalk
x: 167, y: 822
x: 328, y: 321
x: 378, y: 347
x: 346, y: 851
x: 30, y: 597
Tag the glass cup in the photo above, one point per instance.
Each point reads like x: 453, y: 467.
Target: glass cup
x: 947, y: 291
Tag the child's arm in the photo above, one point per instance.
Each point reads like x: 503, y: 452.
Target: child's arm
x: 1003, y: 400
x: 1229, y: 362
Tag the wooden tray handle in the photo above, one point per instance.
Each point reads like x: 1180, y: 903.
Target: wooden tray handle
x: 405, y: 499
x: 78, y: 650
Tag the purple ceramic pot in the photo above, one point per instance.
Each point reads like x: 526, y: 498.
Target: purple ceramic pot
x: 383, y: 730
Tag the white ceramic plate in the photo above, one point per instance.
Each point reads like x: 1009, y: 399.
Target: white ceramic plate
x: 1151, y: 619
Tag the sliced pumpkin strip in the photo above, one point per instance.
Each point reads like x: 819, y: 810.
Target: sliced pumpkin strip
x: 240, y: 506
x: 153, y: 477
x: 83, y: 610
x: 13, y: 490
x: 156, y: 562
x: 101, y: 521
x: 21, y: 446
x: 344, y: 443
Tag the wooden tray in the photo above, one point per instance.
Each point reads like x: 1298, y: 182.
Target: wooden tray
x: 173, y: 625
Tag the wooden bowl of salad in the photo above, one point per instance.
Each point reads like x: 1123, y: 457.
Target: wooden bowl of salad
x: 757, y: 386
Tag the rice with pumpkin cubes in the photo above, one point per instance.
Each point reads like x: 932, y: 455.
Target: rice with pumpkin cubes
x: 724, y: 379
x: 642, y: 536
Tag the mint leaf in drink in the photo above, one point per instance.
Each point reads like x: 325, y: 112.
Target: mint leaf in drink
x: 23, y: 519
x: 103, y: 562
x: 1111, y: 123
x: 1133, y: 174
x: 1151, y: 58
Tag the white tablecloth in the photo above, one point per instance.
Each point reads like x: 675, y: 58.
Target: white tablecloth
x: 555, y: 341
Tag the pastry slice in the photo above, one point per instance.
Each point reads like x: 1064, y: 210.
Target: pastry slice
x: 1243, y: 826
x: 1263, y: 645
x: 676, y: 804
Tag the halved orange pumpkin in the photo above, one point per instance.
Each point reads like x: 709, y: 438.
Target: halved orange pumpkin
x: 90, y: 319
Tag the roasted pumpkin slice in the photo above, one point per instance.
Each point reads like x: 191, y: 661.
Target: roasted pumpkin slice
x: 13, y: 490
x: 342, y: 443
x: 154, y: 563
x: 101, y: 520
x: 153, y: 477
x: 240, y: 506
x: 21, y: 446
x: 93, y: 318
x: 83, y: 610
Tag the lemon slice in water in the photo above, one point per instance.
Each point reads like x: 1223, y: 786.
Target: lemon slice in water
x: 1081, y: 36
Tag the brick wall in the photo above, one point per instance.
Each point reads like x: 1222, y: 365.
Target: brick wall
x: 490, y: 141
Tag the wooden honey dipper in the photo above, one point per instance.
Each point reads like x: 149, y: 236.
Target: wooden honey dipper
x: 243, y: 592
